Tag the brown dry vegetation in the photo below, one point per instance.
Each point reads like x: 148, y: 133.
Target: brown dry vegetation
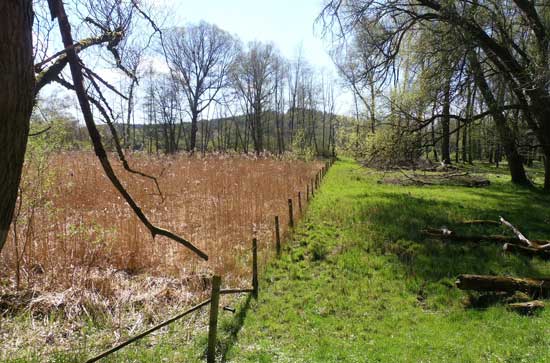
x: 82, y: 252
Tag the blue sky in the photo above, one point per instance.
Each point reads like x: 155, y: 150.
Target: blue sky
x: 287, y: 23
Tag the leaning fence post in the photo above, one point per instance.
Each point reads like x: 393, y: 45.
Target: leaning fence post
x: 255, y: 286
x: 300, y: 202
x: 277, y: 236
x: 213, y: 325
x: 290, y: 214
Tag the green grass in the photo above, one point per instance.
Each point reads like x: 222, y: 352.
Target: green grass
x: 358, y: 283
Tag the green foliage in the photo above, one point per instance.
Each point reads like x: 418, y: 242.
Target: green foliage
x: 301, y: 148
x: 387, y: 148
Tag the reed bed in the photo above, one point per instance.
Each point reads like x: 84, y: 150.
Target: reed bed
x: 78, y: 248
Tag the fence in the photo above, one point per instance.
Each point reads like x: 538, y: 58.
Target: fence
x: 216, y: 281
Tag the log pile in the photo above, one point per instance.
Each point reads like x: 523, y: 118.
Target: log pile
x: 535, y: 288
x: 516, y: 244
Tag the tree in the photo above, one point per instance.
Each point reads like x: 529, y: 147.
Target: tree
x: 199, y: 57
x: 511, y: 40
x: 16, y: 101
x: 19, y: 80
x: 253, y: 78
x: 19, y: 88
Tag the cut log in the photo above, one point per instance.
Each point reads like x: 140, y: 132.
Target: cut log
x: 527, y: 308
x: 527, y: 251
x: 533, y: 287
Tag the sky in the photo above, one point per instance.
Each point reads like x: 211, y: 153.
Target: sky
x: 289, y: 24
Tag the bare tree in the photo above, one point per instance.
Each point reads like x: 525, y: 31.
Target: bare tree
x: 253, y: 78
x: 113, y: 17
x: 200, y: 57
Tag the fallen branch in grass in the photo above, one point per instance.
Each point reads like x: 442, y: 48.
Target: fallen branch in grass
x: 538, y: 245
x: 447, y: 234
x: 520, y: 238
x: 527, y: 251
x: 414, y: 179
x: 480, y: 221
x: 453, y: 179
x: 516, y: 231
x: 533, y: 287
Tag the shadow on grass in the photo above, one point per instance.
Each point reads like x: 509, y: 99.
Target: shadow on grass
x: 395, y: 221
x: 232, y: 328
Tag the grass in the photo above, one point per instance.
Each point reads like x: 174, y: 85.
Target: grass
x: 358, y: 283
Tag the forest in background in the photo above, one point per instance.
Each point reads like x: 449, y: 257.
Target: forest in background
x: 421, y: 89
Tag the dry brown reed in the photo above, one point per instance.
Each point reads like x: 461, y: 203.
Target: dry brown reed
x: 219, y: 202
x: 80, y: 251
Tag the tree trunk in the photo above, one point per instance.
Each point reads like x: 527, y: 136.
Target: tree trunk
x: 16, y: 101
x: 506, y: 135
x: 457, y: 142
x: 445, y: 125
x: 193, y: 135
x: 546, y: 169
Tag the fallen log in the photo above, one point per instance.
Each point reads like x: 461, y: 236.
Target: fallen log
x: 527, y: 308
x: 527, y: 251
x: 533, y: 287
x: 446, y: 234
x: 482, y: 221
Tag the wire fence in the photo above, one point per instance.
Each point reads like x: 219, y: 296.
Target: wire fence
x: 216, y: 290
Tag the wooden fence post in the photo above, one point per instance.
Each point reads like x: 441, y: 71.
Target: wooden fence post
x: 277, y: 236
x: 213, y: 325
x: 312, y: 189
x: 307, y: 193
x: 300, y: 202
x: 290, y: 214
x: 255, y: 286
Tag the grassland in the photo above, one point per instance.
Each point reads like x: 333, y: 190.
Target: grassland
x: 358, y: 283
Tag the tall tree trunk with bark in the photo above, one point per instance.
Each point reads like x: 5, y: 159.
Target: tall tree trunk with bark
x: 16, y: 101
x: 193, y: 135
x: 505, y: 133
x: 445, y: 125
